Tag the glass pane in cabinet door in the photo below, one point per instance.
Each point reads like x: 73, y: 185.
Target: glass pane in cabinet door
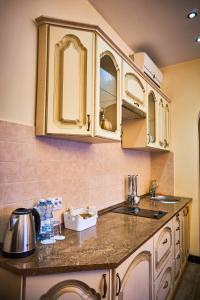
x: 152, y: 118
x: 108, y: 94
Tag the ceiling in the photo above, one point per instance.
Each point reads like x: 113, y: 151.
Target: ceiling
x: 157, y: 27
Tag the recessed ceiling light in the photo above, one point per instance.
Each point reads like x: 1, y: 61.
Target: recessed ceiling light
x: 197, y: 39
x: 192, y: 14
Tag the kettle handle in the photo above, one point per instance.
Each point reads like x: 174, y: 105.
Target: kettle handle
x: 36, y: 216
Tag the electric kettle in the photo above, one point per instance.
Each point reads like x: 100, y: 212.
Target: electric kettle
x: 20, y: 235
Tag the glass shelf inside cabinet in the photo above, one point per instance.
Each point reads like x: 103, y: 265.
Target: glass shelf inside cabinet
x: 108, y: 94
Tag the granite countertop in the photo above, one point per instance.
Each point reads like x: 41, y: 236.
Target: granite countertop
x: 104, y: 246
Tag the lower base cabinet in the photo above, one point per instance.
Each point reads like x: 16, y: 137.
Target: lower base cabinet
x: 133, y: 278
x: 163, y: 287
x: 152, y: 272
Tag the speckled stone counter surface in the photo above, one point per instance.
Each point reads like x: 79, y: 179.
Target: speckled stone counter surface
x: 104, y: 246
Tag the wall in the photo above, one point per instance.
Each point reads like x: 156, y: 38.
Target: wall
x: 19, y: 46
x: 32, y: 168
x: 182, y: 83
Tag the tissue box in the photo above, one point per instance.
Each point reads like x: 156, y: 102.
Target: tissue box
x: 80, y: 219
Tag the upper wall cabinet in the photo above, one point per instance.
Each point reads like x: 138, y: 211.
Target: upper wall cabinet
x: 78, y: 91
x: 133, y: 90
x: 87, y: 87
x: 151, y: 133
x: 108, y: 91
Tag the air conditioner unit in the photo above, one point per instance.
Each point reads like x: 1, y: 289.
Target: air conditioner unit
x: 145, y: 63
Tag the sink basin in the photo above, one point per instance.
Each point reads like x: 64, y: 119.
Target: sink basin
x: 165, y: 199
x: 140, y: 212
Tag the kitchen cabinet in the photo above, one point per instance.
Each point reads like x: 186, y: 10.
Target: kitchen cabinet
x: 185, y: 214
x: 151, y: 272
x: 91, y: 285
x: 133, y: 278
x: 164, y: 124
x: 163, y: 247
x: 78, y: 86
x: 108, y: 92
x: 164, y: 282
x: 150, y: 133
x: 133, y: 90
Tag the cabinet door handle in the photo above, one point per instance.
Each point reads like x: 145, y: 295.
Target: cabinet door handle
x: 178, y: 256
x: 165, y: 241
x: 178, y: 228
x: 88, y: 122
x: 135, y: 103
x: 178, y: 242
x: 148, y: 138
x: 165, y: 143
x: 119, y: 284
x: 104, y: 286
x: 185, y: 211
x: 165, y: 285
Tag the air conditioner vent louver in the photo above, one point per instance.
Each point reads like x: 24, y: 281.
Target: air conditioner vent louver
x: 145, y: 63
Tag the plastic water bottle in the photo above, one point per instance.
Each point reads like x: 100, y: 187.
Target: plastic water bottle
x: 49, y: 219
x: 41, y: 208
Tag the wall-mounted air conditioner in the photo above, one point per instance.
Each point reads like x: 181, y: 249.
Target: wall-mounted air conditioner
x: 145, y: 63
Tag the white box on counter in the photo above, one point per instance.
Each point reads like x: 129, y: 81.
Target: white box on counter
x: 80, y: 218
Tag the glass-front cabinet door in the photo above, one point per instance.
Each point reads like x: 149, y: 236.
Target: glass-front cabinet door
x: 108, y: 92
x: 152, y: 118
x: 163, y: 124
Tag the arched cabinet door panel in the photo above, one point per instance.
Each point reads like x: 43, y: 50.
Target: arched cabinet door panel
x: 108, y: 92
x: 133, y: 88
x: 134, y: 277
x: 71, y: 290
x: 163, y: 247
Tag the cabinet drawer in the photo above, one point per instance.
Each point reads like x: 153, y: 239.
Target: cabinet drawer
x: 164, y: 282
x: 163, y: 247
x: 177, y: 234
x: 177, y: 267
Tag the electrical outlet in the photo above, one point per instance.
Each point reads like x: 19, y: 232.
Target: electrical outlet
x: 57, y: 203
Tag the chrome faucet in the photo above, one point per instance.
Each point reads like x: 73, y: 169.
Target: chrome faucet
x: 153, y: 187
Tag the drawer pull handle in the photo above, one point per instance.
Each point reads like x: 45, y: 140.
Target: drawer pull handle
x: 166, y: 285
x: 165, y: 241
x: 119, y: 284
x: 178, y: 242
x: 178, y: 228
x: 135, y: 103
x: 104, y: 286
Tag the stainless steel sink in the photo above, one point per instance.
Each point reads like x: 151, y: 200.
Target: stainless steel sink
x: 165, y: 199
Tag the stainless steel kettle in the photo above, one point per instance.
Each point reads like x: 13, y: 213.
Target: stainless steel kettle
x: 20, y: 235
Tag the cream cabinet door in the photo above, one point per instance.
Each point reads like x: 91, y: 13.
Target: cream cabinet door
x: 108, y: 92
x: 164, y: 283
x: 177, y: 229
x: 185, y: 233
x: 152, y: 118
x: 163, y: 123
x: 133, y: 278
x: 167, y: 127
x: 91, y: 285
x: 133, y: 87
x: 163, y: 247
x: 65, y: 81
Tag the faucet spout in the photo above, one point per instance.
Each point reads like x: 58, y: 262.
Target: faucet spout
x: 152, y: 188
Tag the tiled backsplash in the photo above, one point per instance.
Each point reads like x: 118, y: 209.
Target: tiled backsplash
x: 35, y: 167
